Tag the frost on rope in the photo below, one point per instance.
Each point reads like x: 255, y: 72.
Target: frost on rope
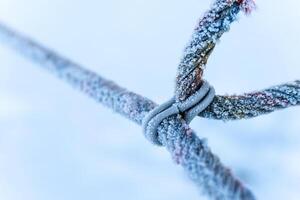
x: 186, y: 148
x: 208, y: 31
x: 104, y: 91
x: 234, y: 107
x: 204, y: 168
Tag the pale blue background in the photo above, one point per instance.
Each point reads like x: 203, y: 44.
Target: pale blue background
x: 55, y: 143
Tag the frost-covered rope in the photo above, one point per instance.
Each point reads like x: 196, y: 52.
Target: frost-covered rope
x: 254, y: 104
x: 211, y: 27
x: 189, y: 78
x: 209, y: 30
x: 188, y: 109
x: 192, y: 153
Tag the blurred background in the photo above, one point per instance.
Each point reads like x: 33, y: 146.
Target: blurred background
x: 56, y: 143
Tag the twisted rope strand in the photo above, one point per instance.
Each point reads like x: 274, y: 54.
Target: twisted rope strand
x: 190, y: 71
x: 254, y: 104
x: 192, y: 153
x: 211, y: 27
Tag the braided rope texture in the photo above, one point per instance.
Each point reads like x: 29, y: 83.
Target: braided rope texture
x: 190, y: 71
x: 186, y: 148
x: 211, y: 27
x: 254, y: 104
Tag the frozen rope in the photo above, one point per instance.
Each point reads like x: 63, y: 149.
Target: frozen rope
x: 207, y: 33
x: 188, y: 109
x: 192, y: 94
x: 186, y: 148
x: 253, y: 104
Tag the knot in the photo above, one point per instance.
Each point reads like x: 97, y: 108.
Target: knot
x: 188, y: 109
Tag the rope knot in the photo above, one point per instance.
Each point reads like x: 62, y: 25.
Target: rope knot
x: 188, y: 109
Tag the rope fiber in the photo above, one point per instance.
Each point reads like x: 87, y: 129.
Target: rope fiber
x: 209, y: 30
x: 167, y: 125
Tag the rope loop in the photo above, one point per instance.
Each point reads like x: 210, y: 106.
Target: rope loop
x: 188, y: 109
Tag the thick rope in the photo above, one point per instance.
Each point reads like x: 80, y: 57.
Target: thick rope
x: 207, y: 33
x: 188, y: 109
x: 192, y: 153
x: 186, y: 148
x: 254, y: 104
x: 194, y: 156
x: 190, y: 88
x: 211, y: 27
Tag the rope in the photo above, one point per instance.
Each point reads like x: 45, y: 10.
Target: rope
x: 189, y: 109
x: 186, y: 148
x: 167, y: 128
x: 190, y: 71
x: 253, y: 104
x: 190, y: 88
x: 209, y: 30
